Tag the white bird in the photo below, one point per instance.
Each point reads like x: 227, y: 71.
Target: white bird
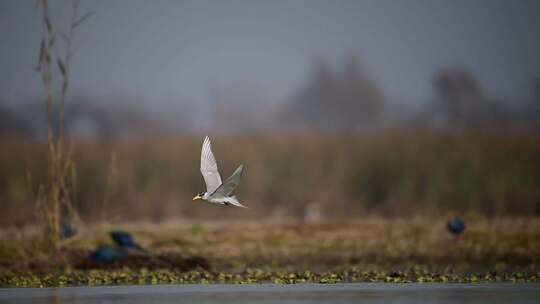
x: 216, y: 191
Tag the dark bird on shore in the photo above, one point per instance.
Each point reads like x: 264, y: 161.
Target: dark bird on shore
x: 67, y: 231
x: 456, y: 226
x: 125, y: 240
x: 108, y: 254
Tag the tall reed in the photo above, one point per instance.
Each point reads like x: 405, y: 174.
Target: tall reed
x: 54, y: 200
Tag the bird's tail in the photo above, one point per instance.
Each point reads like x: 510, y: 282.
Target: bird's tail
x: 234, y: 201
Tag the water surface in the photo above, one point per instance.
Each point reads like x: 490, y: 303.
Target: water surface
x: 268, y: 293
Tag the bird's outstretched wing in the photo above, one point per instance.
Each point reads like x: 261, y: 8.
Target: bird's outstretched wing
x: 209, y: 168
x: 230, y: 184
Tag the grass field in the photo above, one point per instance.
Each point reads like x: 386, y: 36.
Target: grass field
x: 369, y: 249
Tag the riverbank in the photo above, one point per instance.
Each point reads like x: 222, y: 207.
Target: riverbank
x: 362, y: 250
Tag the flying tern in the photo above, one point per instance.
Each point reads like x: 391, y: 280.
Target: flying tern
x: 217, y: 192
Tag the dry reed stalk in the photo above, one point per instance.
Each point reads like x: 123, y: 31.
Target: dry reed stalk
x: 57, y: 195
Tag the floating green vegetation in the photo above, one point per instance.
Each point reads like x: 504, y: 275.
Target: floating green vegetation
x: 250, y: 276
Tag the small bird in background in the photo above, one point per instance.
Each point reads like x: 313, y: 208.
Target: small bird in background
x: 67, y: 230
x: 456, y: 226
x: 216, y: 191
x: 125, y: 241
x: 108, y: 254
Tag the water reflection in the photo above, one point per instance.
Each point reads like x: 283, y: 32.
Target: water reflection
x: 267, y: 293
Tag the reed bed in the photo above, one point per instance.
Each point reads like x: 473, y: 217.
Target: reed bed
x: 391, y: 174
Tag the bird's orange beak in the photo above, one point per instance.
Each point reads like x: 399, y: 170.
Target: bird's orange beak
x: 196, y: 197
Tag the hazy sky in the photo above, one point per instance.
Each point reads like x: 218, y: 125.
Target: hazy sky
x: 176, y: 52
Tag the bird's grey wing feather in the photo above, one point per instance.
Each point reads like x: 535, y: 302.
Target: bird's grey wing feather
x: 230, y: 184
x: 209, y: 167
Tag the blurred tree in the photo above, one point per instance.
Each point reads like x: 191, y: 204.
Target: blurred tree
x: 241, y: 108
x: 106, y: 121
x: 91, y: 118
x: 462, y: 105
x: 336, y: 101
x: 460, y: 96
x: 13, y: 124
x: 361, y: 96
x: 537, y: 91
x: 532, y: 112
